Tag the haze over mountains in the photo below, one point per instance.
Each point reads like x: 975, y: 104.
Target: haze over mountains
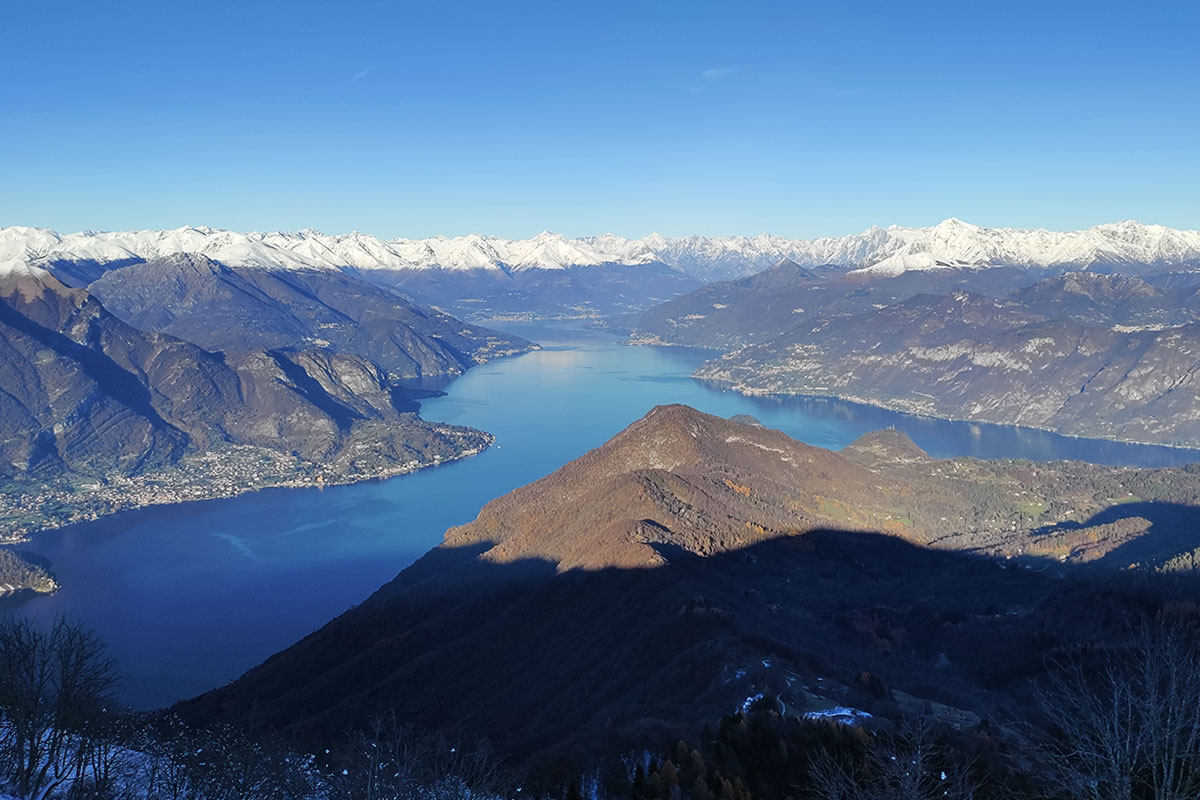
x: 1108, y: 292
x: 689, y: 565
x: 962, y: 321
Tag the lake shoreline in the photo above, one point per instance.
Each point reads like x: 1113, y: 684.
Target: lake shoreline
x: 751, y: 391
x: 191, y: 595
x: 78, y: 508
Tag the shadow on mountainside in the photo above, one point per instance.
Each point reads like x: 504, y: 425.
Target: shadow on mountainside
x: 1160, y: 533
x: 553, y: 666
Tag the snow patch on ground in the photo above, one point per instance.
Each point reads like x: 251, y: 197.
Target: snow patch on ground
x: 850, y: 716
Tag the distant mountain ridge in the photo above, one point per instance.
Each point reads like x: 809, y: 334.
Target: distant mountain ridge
x: 238, y: 309
x: 1084, y: 355
x: 882, y: 250
x: 729, y: 314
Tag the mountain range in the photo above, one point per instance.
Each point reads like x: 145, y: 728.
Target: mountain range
x: 1051, y: 356
x: 487, y: 270
x: 1102, y: 355
x: 87, y: 393
x: 136, y: 352
x: 692, y: 564
x: 207, y: 381
x: 238, y: 309
x: 884, y: 250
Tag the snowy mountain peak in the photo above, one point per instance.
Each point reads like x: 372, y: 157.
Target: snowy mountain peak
x: 19, y: 268
x: 884, y: 251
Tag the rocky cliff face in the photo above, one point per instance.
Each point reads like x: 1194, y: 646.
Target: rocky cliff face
x: 81, y: 386
x: 690, y: 563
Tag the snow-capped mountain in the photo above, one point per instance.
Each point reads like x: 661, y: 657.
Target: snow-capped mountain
x: 951, y: 243
x: 17, y: 266
x: 886, y: 251
x: 957, y: 243
x: 309, y: 249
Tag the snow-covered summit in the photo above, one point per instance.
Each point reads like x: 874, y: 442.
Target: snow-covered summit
x: 957, y: 243
x: 15, y: 267
x: 950, y: 243
x: 308, y: 249
x: 886, y: 251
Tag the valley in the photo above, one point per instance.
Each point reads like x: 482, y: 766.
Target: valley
x: 236, y: 400
x: 222, y: 450
x: 106, y: 411
x: 599, y: 401
x: 234, y: 580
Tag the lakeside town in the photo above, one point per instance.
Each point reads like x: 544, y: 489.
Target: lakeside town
x: 31, y: 506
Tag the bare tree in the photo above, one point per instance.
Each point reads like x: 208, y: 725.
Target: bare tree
x: 388, y: 760
x: 1129, y: 726
x: 163, y: 769
x: 109, y: 768
x: 1168, y: 680
x: 59, y: 733
x: 55, y: 686
x: 177, y: 762
x: 1093, y: 745
x: 908, y: 764
x: 226, y: 763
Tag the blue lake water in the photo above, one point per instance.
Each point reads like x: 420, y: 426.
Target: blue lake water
x: 190, y: 596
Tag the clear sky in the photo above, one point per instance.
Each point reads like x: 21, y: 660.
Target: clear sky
x: 406, y: 119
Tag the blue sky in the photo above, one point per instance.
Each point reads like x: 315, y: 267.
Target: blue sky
x: 802, y: 119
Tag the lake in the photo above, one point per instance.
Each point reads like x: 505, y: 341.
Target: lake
x: 190, y: 596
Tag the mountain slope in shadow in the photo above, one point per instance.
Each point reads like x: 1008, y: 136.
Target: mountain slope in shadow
x: 690, y: 563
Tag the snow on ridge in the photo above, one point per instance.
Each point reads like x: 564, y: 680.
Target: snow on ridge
x: 309, y: 249
x: 19, y: 268
x: 956, y: 243
x: 886, y: 251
